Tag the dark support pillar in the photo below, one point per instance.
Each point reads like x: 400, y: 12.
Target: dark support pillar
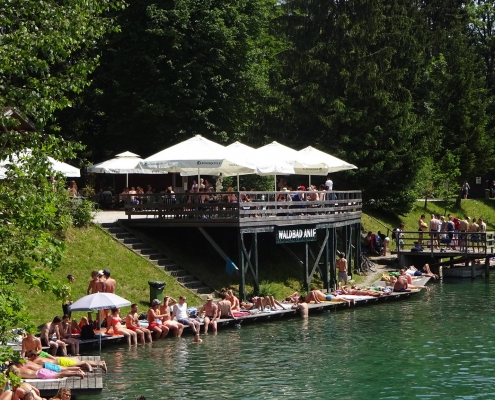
x: 255, y: 255
x: 357, y: 245
x: 333, y: 251
x: 487, y: 267
x: 306, y: 262
x: 242, y: 285
x: 326, y: 274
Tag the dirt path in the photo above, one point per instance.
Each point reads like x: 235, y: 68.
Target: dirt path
x: 380, y: 269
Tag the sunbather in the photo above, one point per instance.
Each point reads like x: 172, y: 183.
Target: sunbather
x: 70, y: 362
x: 42, y: 373
x: 361, y: 292
x: 425, y: 271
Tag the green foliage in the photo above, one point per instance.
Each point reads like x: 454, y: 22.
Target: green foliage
x: 45, y: 58
x: 82, y: 212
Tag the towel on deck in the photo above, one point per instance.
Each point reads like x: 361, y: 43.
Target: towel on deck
x: 45, y: 380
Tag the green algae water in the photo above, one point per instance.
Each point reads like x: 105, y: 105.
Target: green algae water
x: 437, y: 345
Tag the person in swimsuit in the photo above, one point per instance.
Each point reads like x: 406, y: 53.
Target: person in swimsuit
x: 233, y: 300
x: 176, y: 327
x: 361, y: 292
x: 401, y: 284
x: 119, y: 329
x: 30, y: 345
x: 66, y: 335
x: 50, y: 336
x: 62, y: 394
x: 180, y: 313
x: 210, y: 311
x: 65, y: 362
x: 154, y: 322
x: 42, y: 373
x: 132, y: 323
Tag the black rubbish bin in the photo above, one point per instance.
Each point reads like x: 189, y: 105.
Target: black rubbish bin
x: 156, y: 290
x: 487, y: 193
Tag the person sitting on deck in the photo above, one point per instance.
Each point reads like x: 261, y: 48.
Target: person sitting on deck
x: 234, y: 301
x: 154, y: 320
x: 66, y: 335
x: 180, y: 313
x: 50, y: 336
x: 30, y: 345
x: 224, y: 308
x: 132, y: 323
x: 425, y: 271
x: 167, y: 322
x: 401, y: 284
x: 119, y: 329
x: 210, y: 312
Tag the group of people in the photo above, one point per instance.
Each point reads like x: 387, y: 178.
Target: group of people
x: 453, y: 232
x: 376, y: 243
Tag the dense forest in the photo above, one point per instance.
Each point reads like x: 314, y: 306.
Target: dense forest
x: 402, y: 89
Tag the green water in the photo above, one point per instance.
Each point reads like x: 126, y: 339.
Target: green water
x: 437, y: 345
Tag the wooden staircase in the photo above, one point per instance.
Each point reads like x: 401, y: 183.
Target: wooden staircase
x: 157, y: 258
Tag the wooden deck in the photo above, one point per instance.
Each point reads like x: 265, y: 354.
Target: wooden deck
x: 91, y: 384
x: 264, y: 209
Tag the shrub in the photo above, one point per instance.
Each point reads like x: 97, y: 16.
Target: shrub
x: 82, y: 212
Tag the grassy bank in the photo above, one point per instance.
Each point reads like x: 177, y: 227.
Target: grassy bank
x: 91, y: 249
x: 485, y: 208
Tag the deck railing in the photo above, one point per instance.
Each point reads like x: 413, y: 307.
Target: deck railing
x: 434, y: 242
x: 239, y: 205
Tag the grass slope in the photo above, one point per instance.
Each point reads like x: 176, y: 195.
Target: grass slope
x: 484, y: 208
x: 91, y: 249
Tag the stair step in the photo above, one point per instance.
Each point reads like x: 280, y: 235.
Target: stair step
x: 175, y: 272
x: 205, y: 291
x: 130, y: 240
x: 185, y: 279
x: 136, y: 246
x: 193, y: 284
x: 164, y: 263
x: 123, y: 235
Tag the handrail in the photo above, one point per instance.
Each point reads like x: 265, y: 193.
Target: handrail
x: 430, y: 241
x: 386, y: 227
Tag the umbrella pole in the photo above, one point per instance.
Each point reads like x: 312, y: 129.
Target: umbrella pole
x: 275, y: 182
x: 198, y: 179
x: 238, y: 187
x: 99, y: 322
x: 309, y: 181
x: 126, y: 180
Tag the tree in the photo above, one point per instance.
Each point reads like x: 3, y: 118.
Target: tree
x: 45, y: 55
x: 176, y: 69
x: 351, y: 72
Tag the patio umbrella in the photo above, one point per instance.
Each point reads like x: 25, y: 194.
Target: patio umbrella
x: 58, y: 166
x: 123, y: 163
x: 99, y: 301
x: 199, y: 155
x: 275, y: 158
x: 311, y: 161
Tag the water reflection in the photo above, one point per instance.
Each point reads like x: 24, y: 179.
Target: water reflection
x: 435, y: 345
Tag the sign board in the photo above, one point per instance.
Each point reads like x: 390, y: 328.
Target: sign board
x: 295, y: 233
x: 478, y: 180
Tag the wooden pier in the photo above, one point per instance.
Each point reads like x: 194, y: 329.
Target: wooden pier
x: 91, y: 384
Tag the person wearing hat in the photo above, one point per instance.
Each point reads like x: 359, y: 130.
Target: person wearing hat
x: 154, y: 323
x: 209, y: 311
x: 173, y: 326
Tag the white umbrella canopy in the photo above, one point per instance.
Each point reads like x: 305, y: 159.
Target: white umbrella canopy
x: 99, y: 301
x: 123, y: 163
x: 275, y: 158
x: 311, y: 161
x: 58, y: 166
x: 198, y: 155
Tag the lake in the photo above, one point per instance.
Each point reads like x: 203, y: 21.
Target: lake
x: 435, y: 345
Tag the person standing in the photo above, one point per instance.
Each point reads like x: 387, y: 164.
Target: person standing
x: 110, y: 284
x: 329, y: 184
x: 342, y: 268
x: 434, y: 224
x: 465, y: 190
x: 422, y: 227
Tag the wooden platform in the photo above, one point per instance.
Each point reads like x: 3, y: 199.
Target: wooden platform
x: 91, y: 384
